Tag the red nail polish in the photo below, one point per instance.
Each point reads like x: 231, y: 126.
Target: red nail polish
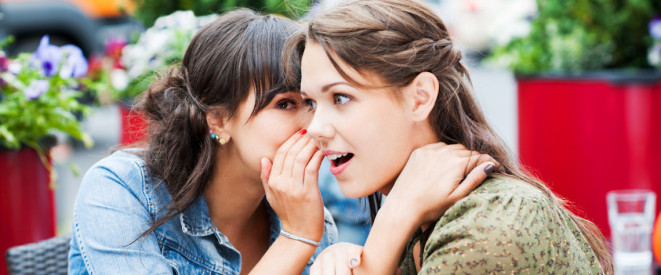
x: 302, y: 132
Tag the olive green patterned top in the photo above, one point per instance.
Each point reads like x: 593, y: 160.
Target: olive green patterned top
x: 504, y: 226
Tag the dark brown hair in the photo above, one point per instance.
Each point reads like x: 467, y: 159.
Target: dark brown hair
x: 397, y: 40
x: 226, y: 59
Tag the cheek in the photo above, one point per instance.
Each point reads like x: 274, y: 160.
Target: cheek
x: 274, y: 132
x: 383, y: 145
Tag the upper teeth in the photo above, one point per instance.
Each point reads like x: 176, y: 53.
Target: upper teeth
x: 336, y: 156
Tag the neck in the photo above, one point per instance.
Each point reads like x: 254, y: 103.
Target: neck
x: 422, y: 134
x: 235, y: 200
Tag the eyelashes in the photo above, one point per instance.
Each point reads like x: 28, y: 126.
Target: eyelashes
x: 341, y: 99
x: 338, y: 99
x: 286, y: 104
x: 311, y: 104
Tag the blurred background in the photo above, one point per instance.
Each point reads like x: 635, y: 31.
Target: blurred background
x: 572, y: 86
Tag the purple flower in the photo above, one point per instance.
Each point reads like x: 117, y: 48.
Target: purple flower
x: 36, y: 89
x: 47, y: 57
x: 655, y: 28
x: 75, y: 64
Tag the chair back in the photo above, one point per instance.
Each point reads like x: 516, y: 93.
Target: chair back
x: 50, y: 256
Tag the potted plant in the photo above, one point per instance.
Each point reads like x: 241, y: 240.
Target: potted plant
x: 589, y: 100
x: 125, y: 70
x: 38, y: 99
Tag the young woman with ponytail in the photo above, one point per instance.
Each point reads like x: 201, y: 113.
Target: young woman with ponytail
x: 385, y: 79
x: 225, y: 132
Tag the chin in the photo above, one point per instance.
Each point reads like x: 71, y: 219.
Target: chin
x: 355, y: 189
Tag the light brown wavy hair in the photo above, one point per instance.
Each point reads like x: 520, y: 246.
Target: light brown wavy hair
x: 399, y: 39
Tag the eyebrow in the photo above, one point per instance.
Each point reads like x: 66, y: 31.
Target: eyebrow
x: 327, y: 87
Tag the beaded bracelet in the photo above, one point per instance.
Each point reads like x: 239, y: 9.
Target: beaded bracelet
x: 299, y: 238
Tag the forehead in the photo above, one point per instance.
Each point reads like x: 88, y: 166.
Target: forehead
x: 318, y: 72
x: 317, y: 69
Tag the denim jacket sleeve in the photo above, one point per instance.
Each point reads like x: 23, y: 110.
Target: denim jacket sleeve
x: 110, y: 212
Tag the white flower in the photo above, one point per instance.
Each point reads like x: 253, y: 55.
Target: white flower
x: 654, y: 55
x: 184, y: 20
x: 162, y: 42
x: 14, y: 68
x: 119, y: 79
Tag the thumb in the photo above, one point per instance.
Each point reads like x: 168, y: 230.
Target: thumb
x: 266, y: 171
x: 474, y: 179
x: 355, y: 253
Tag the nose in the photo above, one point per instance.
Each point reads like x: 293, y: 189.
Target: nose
x: 320, y: 127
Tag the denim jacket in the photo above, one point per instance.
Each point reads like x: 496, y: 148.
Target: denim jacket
x: 118, y: 200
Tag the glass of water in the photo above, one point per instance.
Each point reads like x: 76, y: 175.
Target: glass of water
x: 631, y: 218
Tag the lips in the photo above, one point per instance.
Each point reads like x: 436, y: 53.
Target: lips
x: 338, y: 160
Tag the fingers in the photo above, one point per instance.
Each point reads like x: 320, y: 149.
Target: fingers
x: 301, y: 160
x: 479, y: 159
x: 473, y: 180
x: 281, y: 154
x: 355, y: 253
x: 290, y: 160
x: 311, y: 179
x: 327, y: 268
x: 265, y: 172
x: 354, y: 262
x: 436, y: 145
x: 339, y: 258
x: 342, y: 269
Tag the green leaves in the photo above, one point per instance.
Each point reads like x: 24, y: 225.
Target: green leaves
x: 25, y: 121
x: 148, y: 10
x: 572, y: 36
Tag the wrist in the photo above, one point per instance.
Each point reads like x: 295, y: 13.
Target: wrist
x: 399, y: 214
x: 311, y: 232
x: 300, y: 238
x: 295, y: 245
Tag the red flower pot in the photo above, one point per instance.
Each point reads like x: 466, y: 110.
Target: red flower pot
x: 585, y: 136
x: 27, y: 202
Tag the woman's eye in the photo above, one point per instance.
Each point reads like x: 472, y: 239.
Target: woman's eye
x: 310, y: 103
x: 286, y: 104
x: 341, y: 99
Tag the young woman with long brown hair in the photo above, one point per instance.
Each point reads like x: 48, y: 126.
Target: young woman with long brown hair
x: 385, y: 79
x: 225, y: 131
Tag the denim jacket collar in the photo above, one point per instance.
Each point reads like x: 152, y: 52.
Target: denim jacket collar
x: 196, y: 221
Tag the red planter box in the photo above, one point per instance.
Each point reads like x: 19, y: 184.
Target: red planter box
x: 27, y: 202
x: 585, y: 137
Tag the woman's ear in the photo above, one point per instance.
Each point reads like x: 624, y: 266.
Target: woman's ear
x: 219, y: 124
x: 421, y: 95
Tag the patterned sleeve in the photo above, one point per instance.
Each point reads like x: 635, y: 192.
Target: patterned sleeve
x: 500, y: 232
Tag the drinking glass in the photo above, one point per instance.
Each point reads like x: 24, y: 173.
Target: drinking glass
x: 631, y: 218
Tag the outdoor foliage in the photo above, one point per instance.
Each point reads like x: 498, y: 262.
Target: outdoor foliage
x: 148, y: 10
x: 571, y: 36
x: 39, y: 95
x: 654, y: 55
x: 125, y: 70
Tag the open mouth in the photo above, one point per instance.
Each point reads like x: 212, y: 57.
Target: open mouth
x: 339, y: 162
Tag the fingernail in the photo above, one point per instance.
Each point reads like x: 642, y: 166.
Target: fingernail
x: 489, y: 169
x: 353, y: 262
x: 302, y: 132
